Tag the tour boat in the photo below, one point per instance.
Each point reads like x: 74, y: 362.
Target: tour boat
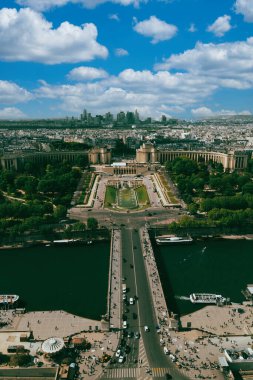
x: 207, y: 298
x: 8, y: 299
x: 162, y: 240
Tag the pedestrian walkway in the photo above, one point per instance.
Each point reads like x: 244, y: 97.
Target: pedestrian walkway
x: 135, y: 373
x: 121, y: 373
x: 159, y: 372
x: 143, y: 360
x: 114, y: 294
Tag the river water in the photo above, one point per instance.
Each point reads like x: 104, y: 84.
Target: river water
x: 74, y: 279
x: 215, y: 266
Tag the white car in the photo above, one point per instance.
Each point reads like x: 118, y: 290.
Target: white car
x: 118, y: 353
x: 146, y: 328
x: 166, y: 351
x: 131, y: 301
x: 173, y: 358
x: 121, y: 358
x: 124, y: 324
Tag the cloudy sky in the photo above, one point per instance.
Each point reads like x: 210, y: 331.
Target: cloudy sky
x: 180, y: 58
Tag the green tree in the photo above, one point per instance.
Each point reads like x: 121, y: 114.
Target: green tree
x: 92, y: 223
x: 247, y: 188
x: 60, y: 212
x: 20, y: 360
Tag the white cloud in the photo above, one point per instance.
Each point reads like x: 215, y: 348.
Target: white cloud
x: 159, y: 93
x: 10, y: 93
x: 10, y: 113
x: 42, y: 5
x: 87, y: 73
x: 245, y: 7
x: 114, y: 17
x: 121, y: 52
x: 155, y: 28
x: 220, y: 26
x: 26, y: 35
x: 203, y: 112
x: 192, y: 28
x: 223, y: 65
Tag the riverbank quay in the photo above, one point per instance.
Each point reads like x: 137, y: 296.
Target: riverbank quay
x: 193, y: 353
x: 74, y: 238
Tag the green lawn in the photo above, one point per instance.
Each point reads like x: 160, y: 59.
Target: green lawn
x: 110, y: 196
x: 142, y: 195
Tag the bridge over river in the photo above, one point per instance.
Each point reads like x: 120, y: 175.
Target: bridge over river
x: 146, y: 358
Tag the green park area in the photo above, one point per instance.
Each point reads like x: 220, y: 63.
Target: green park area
x: 126, y: 198
x: 142, y: 196
x: 110, y: 196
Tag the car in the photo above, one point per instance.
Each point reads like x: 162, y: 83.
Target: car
x: 166, y: 351
x: 135, y: 316
x: 146, y: 328
x: 137, y: 335
x: 129, y: 334
x: 131, y: 301
x: 124, y: 324
x: 124, y: 297
x: 124, y: 317
x: 121, y: 358
x: 173, y: 358
x: 122, y: 343
x: 118, y: 352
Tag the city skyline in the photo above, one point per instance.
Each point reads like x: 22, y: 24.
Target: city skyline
x: 181, y: 59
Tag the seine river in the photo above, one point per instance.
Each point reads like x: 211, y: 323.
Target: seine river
x: 215, y: 266
x: 74, y: 279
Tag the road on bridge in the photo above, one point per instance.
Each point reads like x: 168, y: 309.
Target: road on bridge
x: 141, y: 313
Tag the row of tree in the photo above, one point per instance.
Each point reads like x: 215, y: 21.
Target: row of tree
x: 226, y: 199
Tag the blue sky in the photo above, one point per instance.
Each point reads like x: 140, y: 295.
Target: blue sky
x: 181, y: 58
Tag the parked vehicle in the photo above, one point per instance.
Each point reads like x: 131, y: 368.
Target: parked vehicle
x: 124, y: 324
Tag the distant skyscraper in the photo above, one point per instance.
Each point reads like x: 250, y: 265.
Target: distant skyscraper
x: 121, y: 117
x: 84, y: 115
x: 136, y: 117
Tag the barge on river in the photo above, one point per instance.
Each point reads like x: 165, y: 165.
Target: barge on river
x: 164, y: 240
x: 8, y: 299
x: 207, y: 298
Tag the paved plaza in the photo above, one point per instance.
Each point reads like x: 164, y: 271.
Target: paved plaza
x: 46, y: 324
